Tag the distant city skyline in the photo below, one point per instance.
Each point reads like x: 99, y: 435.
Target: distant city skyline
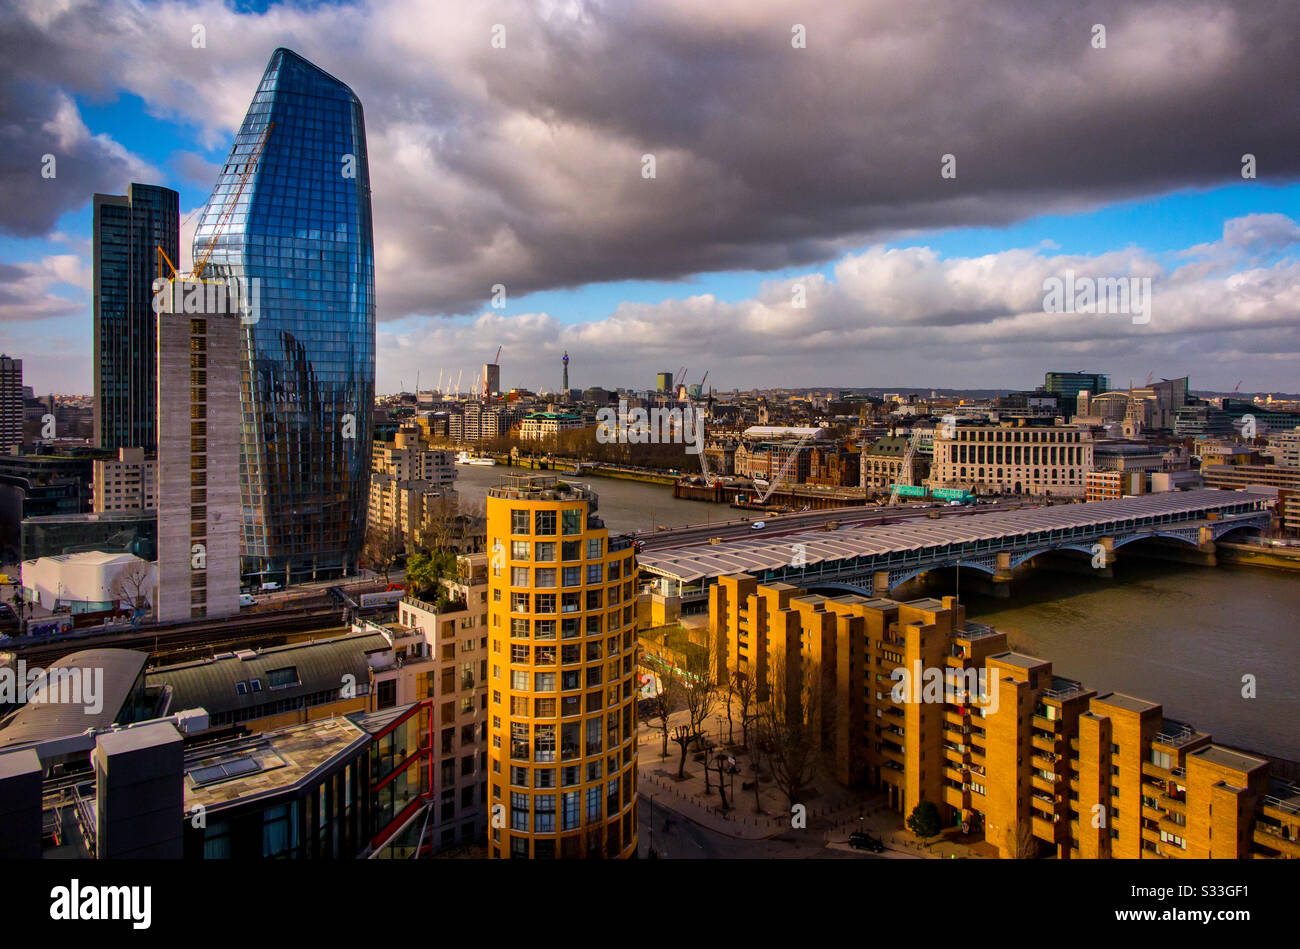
x: 770, y: 184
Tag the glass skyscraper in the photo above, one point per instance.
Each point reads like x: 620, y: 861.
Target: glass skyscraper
x: 301, y: 228
x: 128, y: 230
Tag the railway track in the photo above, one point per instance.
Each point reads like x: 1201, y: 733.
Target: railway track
x: 191, y: 641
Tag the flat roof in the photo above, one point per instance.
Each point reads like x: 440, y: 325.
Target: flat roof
x: 1228, y: 758
x: 268, y: 763
x: 1129, y: 703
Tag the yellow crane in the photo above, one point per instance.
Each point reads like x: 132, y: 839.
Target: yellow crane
x: 227, y: 210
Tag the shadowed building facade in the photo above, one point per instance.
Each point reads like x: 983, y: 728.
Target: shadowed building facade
x: 300, y: 233
x: 128, y: 230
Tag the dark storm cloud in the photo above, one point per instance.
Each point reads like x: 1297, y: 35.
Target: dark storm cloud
x: 522, y: 166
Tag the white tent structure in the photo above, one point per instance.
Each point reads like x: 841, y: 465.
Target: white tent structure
x: 89, y: 582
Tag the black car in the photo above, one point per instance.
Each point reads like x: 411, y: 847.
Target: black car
x: 864, y: 841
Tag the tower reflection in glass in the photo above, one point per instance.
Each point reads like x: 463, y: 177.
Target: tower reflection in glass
x: 301, y: 227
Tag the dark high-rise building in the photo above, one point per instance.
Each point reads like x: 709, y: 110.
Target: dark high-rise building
x: 1070, y: 384
x: 12, y: 406
x: 129, y: 229
x: 299, y: 234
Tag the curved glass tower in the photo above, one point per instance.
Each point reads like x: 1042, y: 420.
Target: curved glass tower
x: 299, y: 235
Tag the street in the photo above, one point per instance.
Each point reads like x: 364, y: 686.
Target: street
x: 678, y: 838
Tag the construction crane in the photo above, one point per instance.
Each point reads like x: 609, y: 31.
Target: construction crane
x: 1150, y: 376
x: 459, y: 375
x: 905, y: 476
x: 1237, y: 387
x: 232, y: 201
x: 497, y: 360
x: 704, y: 380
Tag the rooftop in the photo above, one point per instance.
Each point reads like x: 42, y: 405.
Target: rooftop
x: 265, y: 764
x: 1227, y: 758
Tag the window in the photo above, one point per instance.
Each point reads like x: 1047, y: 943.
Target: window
x: 545, y: 629
x: 571, y: 550
x: 545, y: 603
x: 546, y: 551
x: 546, y: 577
x: 593, y: 548
x: 519, y: 550
x: 518, y: 602
x: 519, y: 628
x: 544, y: 522
x: 595, y: 572
x: 518, y: 812
x: 593, y: 803
x: 518, y: 522
x: 569, y: 810
x: 544, y: 814
x: 572, y: 576
x: 544, y: 682
x: 519, y: 576
x: 572, y: 521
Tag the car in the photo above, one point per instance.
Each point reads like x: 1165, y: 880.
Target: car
x: 758, y: 525
x: 864, y: 841
x: 270, y: 587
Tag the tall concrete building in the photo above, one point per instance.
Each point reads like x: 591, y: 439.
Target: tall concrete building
x: 11, y: 403
x: 300, y: 235
x: 197, y: 467
x: 664, y: 383
x: 128, y: 230
x: 563, y: 643
x: 491, y: 379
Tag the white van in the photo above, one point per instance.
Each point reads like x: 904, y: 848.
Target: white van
x: 246, y: 599
x: 269, y: 587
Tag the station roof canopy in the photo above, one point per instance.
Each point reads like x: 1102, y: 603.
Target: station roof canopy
x: 756, y: 555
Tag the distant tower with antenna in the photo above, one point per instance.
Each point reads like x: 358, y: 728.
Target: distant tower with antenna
x: 564, y: 387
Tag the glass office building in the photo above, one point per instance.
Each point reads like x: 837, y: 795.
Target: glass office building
x: 300, y: 232
x: 128, y: 230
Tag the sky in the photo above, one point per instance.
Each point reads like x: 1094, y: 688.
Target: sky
x: 849, y: 194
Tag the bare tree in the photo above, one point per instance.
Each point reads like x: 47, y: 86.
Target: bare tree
x: 131, y: 586
x: 383, y: 546
x: 789, y: 727
x: 1021, y: 842
x: 662, y: 705
x: 438, y: 523
x: 745, y: 688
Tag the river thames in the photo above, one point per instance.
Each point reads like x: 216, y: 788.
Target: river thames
x: 1181, y: 635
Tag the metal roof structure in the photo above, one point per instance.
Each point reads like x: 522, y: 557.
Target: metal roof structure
x: 303, y: 669
x: 116, y: 674
x: 952, y: 535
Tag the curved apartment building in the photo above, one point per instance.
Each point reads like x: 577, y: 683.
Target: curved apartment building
x: 562, y: 631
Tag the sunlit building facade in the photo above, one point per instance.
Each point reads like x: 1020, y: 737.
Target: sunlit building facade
x: 562, y: 635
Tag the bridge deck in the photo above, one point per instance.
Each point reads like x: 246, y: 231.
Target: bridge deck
x: 951, y: 536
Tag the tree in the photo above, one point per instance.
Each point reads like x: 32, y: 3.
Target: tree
x: 699, y: 693
x: 745, y: 689
x: 425, y: 572
x: 1021, y: 842
x: 662, y: 705
x: 132, y: 585
x: 924, y: 820
x: 438, y: 523
x: 382, y: 548
x: 788, y: 728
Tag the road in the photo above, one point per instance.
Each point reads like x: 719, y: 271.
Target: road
x: 678, y: 838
